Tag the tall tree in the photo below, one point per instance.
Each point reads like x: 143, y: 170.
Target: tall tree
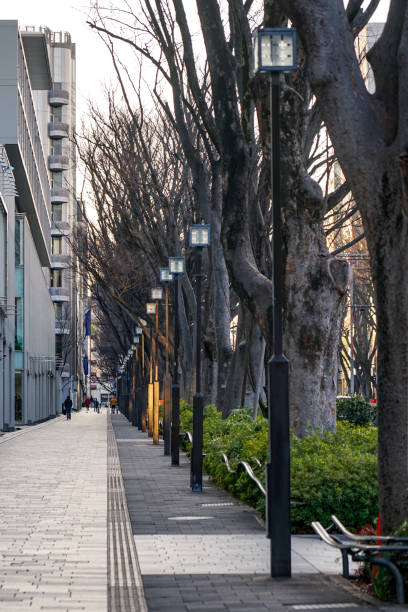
x: 370, y: 136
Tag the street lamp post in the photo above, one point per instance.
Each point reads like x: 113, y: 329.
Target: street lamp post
x: 157, y: 294
x: 135, y: 412
x: 275, y: 52
x: 176, y: 267
x: 143, y: 380
x: 199, y: 238
x: 166, y: 277
x: 151, y: 310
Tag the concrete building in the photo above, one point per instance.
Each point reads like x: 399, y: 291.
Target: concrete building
x: 55, y: 110
x: 27, y: 322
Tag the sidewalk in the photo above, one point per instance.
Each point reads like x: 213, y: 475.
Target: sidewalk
x: 70, y: 539
x: 208, y: 551
x: 53, y: 546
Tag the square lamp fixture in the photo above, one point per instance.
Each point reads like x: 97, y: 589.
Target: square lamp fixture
x: 157, y: 293
x: 139, y: 329
x: 165, y: 276
x: 151, y: 308
x: 136, y: 340
x: 274, y: 49
x: 176, y: 265
x: 200, y: 235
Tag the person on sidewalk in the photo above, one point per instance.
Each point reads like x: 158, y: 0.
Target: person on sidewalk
x: 68, y: 407
x: 113, y: 404
x: 87, y: 402
x: 96, y: 405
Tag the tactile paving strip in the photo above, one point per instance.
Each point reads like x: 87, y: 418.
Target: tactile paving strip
x: 125, y: 586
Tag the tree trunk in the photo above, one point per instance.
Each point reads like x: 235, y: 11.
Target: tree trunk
x: 387, y: 241
x: 315, y: 290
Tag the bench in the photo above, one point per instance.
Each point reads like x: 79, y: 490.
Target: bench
x: 365, y: 549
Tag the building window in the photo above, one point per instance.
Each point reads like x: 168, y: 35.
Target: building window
x: 56, y: 147
x: 19, y: 242
x: 57, y: 212
x: 56, y: 114
x: 58, y: 307
x: 56, y: 245
x: 3, y: 252
x: 18, y: 410
x: 58, y: 345
x: 19, y: 325
x: 56, y: 278
x: 56, y: 180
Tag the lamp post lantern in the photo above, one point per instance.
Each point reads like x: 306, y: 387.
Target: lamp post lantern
x: 166, y: 277
x: 275, y: 52
x: 199, y: 238
x: 176, y: 267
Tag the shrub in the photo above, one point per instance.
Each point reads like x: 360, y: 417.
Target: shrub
x: 330, y: 473
x: 356, y: 410
x: 382, y: 581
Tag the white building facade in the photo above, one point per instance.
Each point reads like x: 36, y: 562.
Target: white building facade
x: 27, y: 323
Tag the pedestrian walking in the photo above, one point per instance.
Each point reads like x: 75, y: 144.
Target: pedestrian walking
x: 87, y: 402
x: 113, y: 402
x: 96, y: 405
x: 68, y: 407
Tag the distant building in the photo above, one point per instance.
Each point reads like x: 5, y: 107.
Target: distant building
x: 56, y: 112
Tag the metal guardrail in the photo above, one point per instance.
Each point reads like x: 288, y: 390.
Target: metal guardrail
x: 242, y: 465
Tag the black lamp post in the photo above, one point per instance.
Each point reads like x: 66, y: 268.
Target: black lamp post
x: 275, y: 51
x: 176, y: 267
x: 166, y: 277
x: 199, y: 238
x: 136, y: 411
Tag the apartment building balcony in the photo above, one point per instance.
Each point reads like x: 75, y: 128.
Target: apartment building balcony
x: 58, y: 130
x: 20, y: 134
x: 60, y: 228
x: 60, y: 261
x: 58, y: 97
x: 58, y: 163
x: 59, y: 294
x: 59, y: 196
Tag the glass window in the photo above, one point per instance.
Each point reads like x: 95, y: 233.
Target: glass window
x: 18, y: 382
x: 3, y: 252
x: 19, y: 325
x: 56, y: 114
x: 58, y: 307
x: 19, y: 242
x: 56, y: 245
x: 56, y: 278
x: 57, y: 212
x: 56, y: 180
x: 58, y: 345
x: 56, y: 147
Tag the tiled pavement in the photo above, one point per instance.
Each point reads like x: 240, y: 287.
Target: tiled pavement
x: 66, y: 541
x: 53, y: 516
x: 208, y: 551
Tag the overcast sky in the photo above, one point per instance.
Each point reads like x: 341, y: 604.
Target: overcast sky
x: 93, y: 62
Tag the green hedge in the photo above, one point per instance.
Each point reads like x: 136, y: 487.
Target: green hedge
x: 330, y: 473
x: 356, y: 410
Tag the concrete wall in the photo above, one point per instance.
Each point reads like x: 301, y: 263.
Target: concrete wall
x: 39, y: 338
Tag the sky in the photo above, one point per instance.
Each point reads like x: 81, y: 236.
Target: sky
x: 93, y: 63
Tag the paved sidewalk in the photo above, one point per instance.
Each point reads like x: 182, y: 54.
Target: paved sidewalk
x: 208, y: 551
x: 53, y: 516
